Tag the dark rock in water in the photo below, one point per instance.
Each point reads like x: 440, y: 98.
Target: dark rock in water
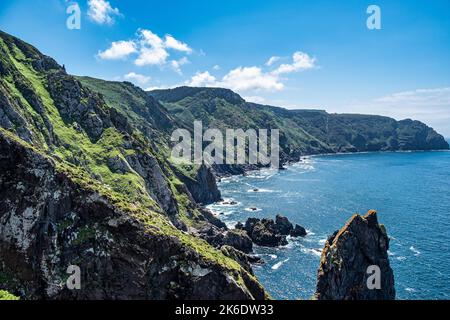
x: 298, y: 231
x: 283, y: 225
x: 263, y: 232
x: 343, y: 272
x: 269, y: 233
x: 48, y: 221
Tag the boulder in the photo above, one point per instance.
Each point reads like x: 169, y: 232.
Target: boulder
x: 298, y: 231
x: 283, y: 225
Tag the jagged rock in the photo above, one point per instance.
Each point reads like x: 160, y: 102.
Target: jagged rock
x: 203, y: 187
x: 263, y: 232
x: 298, y: 231
x: 267, y: 232
x: 209, y: 216
x: 283, y: 225
x: 149, y: 169
x: 342, y: 274
x: 49, y: 222
x: 118, y: 164
x: 238, y: 256
x: 237, y: 239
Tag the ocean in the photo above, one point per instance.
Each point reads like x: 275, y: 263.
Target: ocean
x: 410, y: 191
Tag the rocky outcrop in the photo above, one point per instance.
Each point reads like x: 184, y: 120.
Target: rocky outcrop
x: 343, y: 273
x: 270, y: 233
x: 203, y: 186
x: 237, y: 239
x: 49, y: 221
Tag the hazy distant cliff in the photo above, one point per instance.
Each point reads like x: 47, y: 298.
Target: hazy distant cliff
x: 302, y: 132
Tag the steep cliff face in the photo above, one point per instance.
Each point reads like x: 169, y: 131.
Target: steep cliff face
x: 51, y: 217
x: 345, y: 260
x: 84, y: 182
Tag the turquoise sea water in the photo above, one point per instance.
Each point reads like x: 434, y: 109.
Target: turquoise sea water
x: 410, y: 191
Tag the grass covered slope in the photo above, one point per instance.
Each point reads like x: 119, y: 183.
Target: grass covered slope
x: 63, y: 144
x: 302, y: 132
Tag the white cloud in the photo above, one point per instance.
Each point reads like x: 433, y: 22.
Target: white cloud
x: 101, y: 12
x: 151, y: 56
x: 251, y: 78
x: 150, y: 39
x: 172, y: 43
x: 151, y: 50
x: 216, y: 67
x: 176, y: 64
x: 202, y: 79
x: 118, y: 50
x: 255, y: 99
x: 301, y: 61
x: 272, y: 60
x: 137, y: 78
x: 244, y: 79
x: 239, y: 79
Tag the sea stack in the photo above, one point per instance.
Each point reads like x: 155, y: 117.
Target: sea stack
x: 347, y: 262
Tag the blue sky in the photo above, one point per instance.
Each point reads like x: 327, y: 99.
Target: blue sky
x: 324, y: 56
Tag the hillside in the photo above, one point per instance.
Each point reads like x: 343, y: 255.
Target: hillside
x: 85, y: 183
x: 302, y: 132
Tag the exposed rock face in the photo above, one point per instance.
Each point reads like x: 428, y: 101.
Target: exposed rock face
x: 264, y: 232
x: 204, y: 187
x: 269, y: 233
x: 298, y: 231
x: 237, y: 239
x: 346, y: 257
x: 48, y: 222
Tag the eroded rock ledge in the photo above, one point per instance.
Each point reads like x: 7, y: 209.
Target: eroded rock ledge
x: 48, y: 221
x: 347, y: 254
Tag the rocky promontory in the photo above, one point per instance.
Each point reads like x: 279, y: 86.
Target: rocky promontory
x: 270, y: 233
x: 349, y: 259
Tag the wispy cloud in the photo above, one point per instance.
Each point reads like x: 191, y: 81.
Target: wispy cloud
x: 255, y: 99
x: 202, y: 79
x: 137, y: 78
x: 272, y: 60
x: 176, y: 64
x: 254, y: 78
x: 151, y: 50
x: 300, y: 61
x: 118, y: 50
x: 172, y: 43
x: 101, y: 12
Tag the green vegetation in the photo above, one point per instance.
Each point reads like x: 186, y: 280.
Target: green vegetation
x: 302, y: 132
x: 5, y: 295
